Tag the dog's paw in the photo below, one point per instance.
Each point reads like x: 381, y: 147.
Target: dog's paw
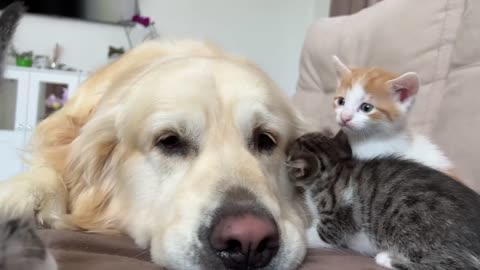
x: 17, y: 201
x: 23, y: 197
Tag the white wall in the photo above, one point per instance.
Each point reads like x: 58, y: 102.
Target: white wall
x: 109, y: 10
x: 85, y: 44
x: 269, y: 32
x: 322, y: 8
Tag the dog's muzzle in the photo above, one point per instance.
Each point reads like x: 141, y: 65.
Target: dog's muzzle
x: 242, y: 234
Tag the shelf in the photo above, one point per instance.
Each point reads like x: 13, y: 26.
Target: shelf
x: 8, y: 102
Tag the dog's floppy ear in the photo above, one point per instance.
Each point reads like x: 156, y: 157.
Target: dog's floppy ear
x: 90, y: 171
x: 344, y: 148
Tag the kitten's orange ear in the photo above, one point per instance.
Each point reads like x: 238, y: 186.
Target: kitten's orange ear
x: 405, y: 87
x: 340, y: 68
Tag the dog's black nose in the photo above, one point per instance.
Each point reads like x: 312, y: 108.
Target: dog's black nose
x: 245, y: 242
x: 243, y: 235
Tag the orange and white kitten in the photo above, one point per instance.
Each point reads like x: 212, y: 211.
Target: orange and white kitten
x: 372, y: 106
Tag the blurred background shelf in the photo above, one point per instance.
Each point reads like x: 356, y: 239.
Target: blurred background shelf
x: 24, y: 95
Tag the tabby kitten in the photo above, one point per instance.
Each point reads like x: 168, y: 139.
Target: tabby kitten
x: 372, y: 106
x: 409, y: 216
x: 22, y: 249
x: 9, y: 19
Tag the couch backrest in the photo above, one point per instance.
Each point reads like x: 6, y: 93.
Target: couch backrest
x: 439, y: 39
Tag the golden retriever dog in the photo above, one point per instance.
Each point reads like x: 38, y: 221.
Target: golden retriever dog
x: 178, y: 145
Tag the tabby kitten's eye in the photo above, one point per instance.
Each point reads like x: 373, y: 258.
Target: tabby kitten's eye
x: 340, y: 101
x: 366, y: 107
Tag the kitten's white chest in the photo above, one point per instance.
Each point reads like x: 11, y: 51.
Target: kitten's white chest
x: 419, y: 148
x: 380, y: 147
x: 362, y: 243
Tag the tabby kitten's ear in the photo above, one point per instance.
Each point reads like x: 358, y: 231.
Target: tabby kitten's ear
x: 303, y: 166
x: 340, y: 68
x: 344, y: 149
x: 404, y: 88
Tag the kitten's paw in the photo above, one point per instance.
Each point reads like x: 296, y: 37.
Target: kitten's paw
x: 36, y: 194
x: 384, y: 259
x: 314, y: 241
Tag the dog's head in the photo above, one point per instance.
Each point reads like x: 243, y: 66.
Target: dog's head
x: 186, y: 152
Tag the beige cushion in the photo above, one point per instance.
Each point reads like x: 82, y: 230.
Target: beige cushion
x: 439, y: 39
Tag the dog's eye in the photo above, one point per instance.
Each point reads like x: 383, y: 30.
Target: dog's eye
x: 172, y: 144
x: 264, y: 141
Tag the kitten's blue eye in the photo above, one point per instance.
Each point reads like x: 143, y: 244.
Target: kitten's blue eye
x: 366, y: 107
x: 340, y: 101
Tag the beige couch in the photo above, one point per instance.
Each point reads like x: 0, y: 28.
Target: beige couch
x: 439, y: 39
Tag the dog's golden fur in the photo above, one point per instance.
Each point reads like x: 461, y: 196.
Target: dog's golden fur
x: 52, y: 146
x: 94, y: 166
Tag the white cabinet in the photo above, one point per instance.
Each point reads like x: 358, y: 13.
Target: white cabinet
x: 13, y: 118
x: 23, y: 98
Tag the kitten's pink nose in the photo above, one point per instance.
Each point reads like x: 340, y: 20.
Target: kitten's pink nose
x: 345, y: 117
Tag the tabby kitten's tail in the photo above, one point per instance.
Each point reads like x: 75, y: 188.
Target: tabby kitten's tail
x: 9, y: 19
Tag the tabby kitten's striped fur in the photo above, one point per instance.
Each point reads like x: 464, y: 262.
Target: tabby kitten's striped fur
x: 408, y: 215
x: 22, y: 249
